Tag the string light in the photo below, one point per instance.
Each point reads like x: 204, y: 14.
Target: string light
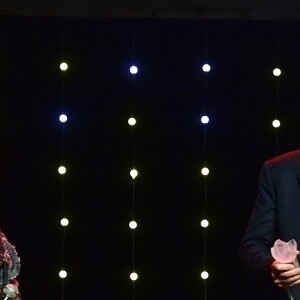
x: 64, y: 222
x: 276, y: 72
x: 131, y: 121
x: 63, y: 274
x: 134, y: 173
x: 134, y: 276
x: 204, y: 275
x: 133, y: 70
x: 62, y: 170
x: 276, y: 123
x: 204, y: 119
x: 205, y: 171
x: 204, y: 223
x: 63, y: 118
x: 63, y: 66
x: 206, y: 68
x: 133, y: 225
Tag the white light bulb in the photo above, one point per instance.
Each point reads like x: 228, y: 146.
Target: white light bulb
x: 204, y: 223
x: 204, y: 275
x: 276, y: 123
x: 134, y: 276
x: 133, y: 70
x: 205, y: 171
x: 133, y: 225
x: 63, y: 66
x: 63, y: 118
x: 204, y: 119
x: 64, y: 222
x: 206, y: 68
x: 132, y: 121
x: 276, y: 72
x: 62, y: 170
x: 133, y: 173
x: 63, y: 274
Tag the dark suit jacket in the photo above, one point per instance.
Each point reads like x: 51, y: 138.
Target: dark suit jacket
x: 276, y: 215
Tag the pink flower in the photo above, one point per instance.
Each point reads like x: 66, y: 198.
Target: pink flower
x: 284, y: 252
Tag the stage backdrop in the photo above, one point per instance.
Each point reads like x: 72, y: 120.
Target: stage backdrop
x: 169, y: 92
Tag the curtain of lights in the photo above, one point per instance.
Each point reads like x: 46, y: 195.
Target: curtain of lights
x: 133, y: 173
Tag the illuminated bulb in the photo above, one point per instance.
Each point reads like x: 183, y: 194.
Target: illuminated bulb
x: 276, y: 123
x: 204, y: 223
x: 204, y: 275
x: 206, y: 68
x: 133, y: 225
x: 134, y: 276
x: 63, y: 118
x: 63, y: 274
x: 276, y: 72
x: 205, y: 119
x: 62, y: 170
x: 133, y: 70
x: 64, y: 222
x: 132, y: 121
x: 205, y: 171
x: 133, y: 173
x: 63, y: 66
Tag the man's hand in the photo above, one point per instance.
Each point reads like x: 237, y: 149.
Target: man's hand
x: 285, y: 275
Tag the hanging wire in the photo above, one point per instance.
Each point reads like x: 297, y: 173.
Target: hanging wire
x: 277, y: 91
x: 133, y: 159
x: 133, y: 240
x: 205, y: 158
x: 276, y: 114
x: 133, y: 77
x: 62, y: 163
x: 204, y: 238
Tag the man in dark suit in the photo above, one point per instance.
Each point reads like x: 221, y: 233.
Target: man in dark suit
x: 275, y: 215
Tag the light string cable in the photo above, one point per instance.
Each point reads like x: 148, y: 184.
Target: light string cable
x: 134, y: 172
x: 277, y: 73
x: 62, y: 170
x: 205, y: 170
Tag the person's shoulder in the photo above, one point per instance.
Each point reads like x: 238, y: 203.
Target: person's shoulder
x: 291, y: 157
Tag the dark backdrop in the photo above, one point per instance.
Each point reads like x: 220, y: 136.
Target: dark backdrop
x: 169, y: 191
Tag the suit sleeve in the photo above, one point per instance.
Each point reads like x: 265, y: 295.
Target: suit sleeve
x: 261, y: 232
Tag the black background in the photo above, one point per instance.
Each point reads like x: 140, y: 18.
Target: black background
x: 169, y: 90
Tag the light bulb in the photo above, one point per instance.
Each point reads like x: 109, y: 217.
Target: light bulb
x: 63, y: 118
x: 132, y: 121
x: 133, y: 225
x: 63, y: 66
x: 134, y: 276
x: 133, y: 173
x: 133, y: 70
x: 62, y: 170
x: 205, y: 171
x: 204, y: 119
x: 276, y: 72
x: 206, y: 68
x: 63, y: 274
x: 64, y: 222
x: 204, y: 223
x: 276, y: 123
x: 204, y: 275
